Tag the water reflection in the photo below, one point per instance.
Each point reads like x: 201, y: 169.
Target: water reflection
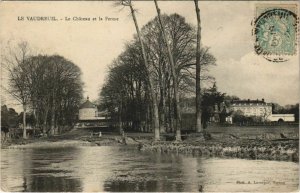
x: 118, y: 169
x: 56, y: 184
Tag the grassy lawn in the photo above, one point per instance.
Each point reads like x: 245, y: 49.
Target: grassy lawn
x: 290, y: 131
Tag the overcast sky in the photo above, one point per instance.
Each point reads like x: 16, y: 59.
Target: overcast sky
x: 226, y: 29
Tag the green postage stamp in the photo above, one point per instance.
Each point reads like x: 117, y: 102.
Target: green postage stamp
x: 275, y: 31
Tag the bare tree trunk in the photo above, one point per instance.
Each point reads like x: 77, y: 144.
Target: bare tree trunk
x: 24, y: 121
x: 147, y: 120
x: 198, y: 71
x: 151, y: 89
x: 170, y: 117
x: 162, y: 124
x: 52, y: 115
x: 120, y: 118
x: 52, y: 121
x: 45, y: 121
x: 177, y: 114
x: 34, y: 115
x: 56, y: 128
x: 147, y: 116
x: 162, y: 106
x: 139, y: 106
x: 37, y: 118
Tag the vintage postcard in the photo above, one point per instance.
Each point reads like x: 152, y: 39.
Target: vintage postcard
x: 149, y: 96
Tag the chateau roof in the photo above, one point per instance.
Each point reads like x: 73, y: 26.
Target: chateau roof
x: 87, y: 104
x: 249, y: 102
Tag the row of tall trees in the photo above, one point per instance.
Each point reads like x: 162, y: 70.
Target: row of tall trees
x: 156, y: 70
x: 48, y: 86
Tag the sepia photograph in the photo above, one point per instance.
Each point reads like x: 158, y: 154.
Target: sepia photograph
x: 149, y: 96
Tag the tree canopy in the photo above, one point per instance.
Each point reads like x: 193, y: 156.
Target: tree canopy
x: 49, y: 86
x: 126, y: 89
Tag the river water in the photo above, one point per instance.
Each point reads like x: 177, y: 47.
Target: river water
x: 103, y: 168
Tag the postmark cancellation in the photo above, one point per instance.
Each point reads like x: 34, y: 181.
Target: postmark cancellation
x: 275, y: 31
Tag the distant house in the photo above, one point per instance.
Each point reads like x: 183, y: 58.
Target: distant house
x: 89, y: 116
x: 89, y: 112
x: 259, y: 108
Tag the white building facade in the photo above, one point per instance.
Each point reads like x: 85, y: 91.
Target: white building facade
x: 282, y: 117
x: 259, y: 108
x: 88, y: 111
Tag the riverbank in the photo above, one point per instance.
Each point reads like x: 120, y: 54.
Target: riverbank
x: 214, y: 144
x: 73, y: 138
x: 48, y: 144
x: 281, y: 150
x: 59, y: 141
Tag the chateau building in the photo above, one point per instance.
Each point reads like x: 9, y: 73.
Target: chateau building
x: 259, y: 108
x: 249, y: 107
